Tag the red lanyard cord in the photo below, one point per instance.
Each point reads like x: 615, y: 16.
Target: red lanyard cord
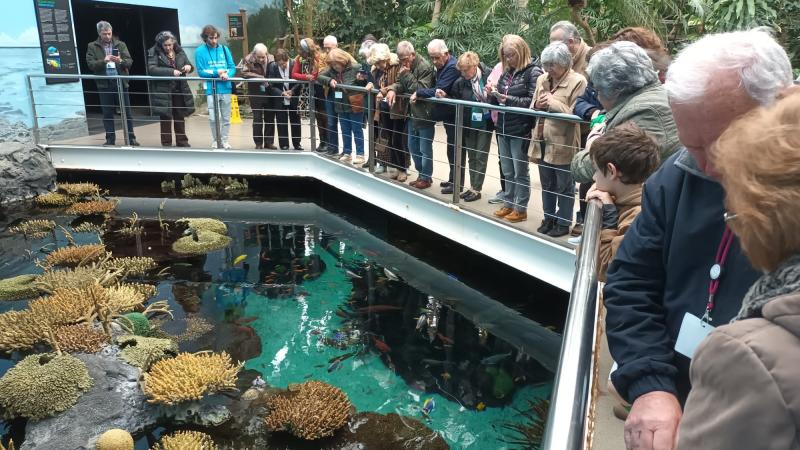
x: 716, y: 269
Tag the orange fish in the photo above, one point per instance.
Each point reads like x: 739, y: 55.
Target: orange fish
x: 380, y: 345
x: 445, y: 340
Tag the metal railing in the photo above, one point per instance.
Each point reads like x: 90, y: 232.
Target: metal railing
x: 571, y: 396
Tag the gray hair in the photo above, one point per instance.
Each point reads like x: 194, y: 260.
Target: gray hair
x: 569, y: 29
x: 558, y: 54
x: 437, y: 45
x: 405, y: 48
x: 330, y: 39
x: 621, y: 69
x: 103, y: 26
x: 759, y: 61
x: 260, y: 47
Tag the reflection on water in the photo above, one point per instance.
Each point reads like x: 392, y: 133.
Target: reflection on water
x: 297, y: 303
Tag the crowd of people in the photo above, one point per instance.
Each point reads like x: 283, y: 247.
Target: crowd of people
x: 695, y: 163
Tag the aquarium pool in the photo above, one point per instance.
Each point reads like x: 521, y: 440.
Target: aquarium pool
x: 300, y: 294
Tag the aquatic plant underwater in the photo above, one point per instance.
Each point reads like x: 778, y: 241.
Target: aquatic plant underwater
x: 293, y: 332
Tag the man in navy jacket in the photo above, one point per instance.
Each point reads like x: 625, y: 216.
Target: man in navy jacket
x: 661, y: 273
x: 446, y: 76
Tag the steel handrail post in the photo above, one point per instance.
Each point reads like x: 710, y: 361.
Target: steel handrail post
x: 32, y: 102
x: 370, y: 133
x: 123, y: 112
x: 217, y: 116
x: 458, y: 147
x: 312, y: 119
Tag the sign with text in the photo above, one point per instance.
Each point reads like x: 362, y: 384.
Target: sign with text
x: 56, y: 40
x: 235, y: 26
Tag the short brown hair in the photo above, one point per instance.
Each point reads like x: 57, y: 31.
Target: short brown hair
x: 468, y: 59
x: 758, y: 160
x: 630, y: 149
x: 650, y: 42
x: 209, y: 31
x: 281, y: 55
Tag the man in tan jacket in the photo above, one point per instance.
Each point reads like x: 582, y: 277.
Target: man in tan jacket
x: 566, y: 32
x: 623, y: 159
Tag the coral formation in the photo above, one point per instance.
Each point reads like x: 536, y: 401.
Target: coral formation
x: 142, y: 351
x: 196, y: 326
x: 75, y: 255
x: 19, y: 330
x: 18, y: 288
x: 92, y: 207
x: 79, y: 189
x: 136, y: 322
x: 529, y: 431
x: 115, y: 439
x: 315, y: 411
x: 202, y: 190
x: 51, y: 280
x: 80, y: 338
x: 186, y: 440
x: 43, y: 385
x: 53, y: 199
x: 34, y: 229
x: 132, y: 228
x: 123, y: 298
x: 205, y: 224
x: 65, y: 306
x: 190, y: 376
x: 136, y: 266
x: 89, y: 227
x: 207, y: 241
x: 10, y: 445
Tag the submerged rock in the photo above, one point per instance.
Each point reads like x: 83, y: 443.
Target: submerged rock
x: 25, y: 172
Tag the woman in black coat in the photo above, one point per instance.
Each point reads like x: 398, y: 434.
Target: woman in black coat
x: 171, y: 100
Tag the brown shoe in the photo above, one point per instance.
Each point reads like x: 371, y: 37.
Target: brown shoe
x: 502, y: 212
x: 422, y: 184
x: 516, y: 216
x: 577, y: 230
x: 402, y: 176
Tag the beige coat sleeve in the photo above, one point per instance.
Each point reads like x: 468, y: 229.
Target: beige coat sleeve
x: 735, y: 402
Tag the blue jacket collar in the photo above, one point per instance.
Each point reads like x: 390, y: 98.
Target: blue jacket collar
x: 686, y: 162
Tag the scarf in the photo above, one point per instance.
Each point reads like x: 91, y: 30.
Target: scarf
x: 476, y: 86
x: 781, y: 281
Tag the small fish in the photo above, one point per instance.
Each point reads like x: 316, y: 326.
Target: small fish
x: 390, y: 364
x: 289, y: 235
x: 421, y: 322
x: 239, y: 259
x: 494, y: 359
x: 352, y: 274
x: 380, y: 345
x: 390, y: 275
x: 428, y: 406
x: 432, y: 362
x: 244, y: 320
x: 308, y: 376
x: 446, y: 376
x: 319, y: 366
x: 378, y: 308
x: 316, y: 331
x: 481, y: 406
x: 181, y: 264
x: 259, y: 382
x: 341, y: 313
x: 334, y: 365
x: 445, y: 340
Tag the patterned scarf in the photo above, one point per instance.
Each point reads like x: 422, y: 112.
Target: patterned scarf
x: 783, y: 280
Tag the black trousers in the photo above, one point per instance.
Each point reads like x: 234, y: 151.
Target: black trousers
x: 287, y: 117
x: 263, y: 120
x: 109, y: 100
x: 394, y: 130
x: 450, y: 131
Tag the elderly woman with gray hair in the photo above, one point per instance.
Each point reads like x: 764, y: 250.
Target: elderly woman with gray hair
x: 629, y: 90
x: 173, y: 100
x: 556, y: 92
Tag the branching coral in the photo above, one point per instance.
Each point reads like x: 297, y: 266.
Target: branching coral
x: 51, y: 280
x: 19, y: 330
x: 42, y: 385
x: 79, y: 189
x: 186, y: 440
x: 131, y: 265
x: 527, y: 428
x: 205, y: 224
x: 196, y: 326
x: 75, y: 255
x: 123, y: 298
x: 80, y: 338
x: 142, y: 351
x: 190, y: 376
x: 207, y: 241
x: 92, y: 207
x: 53, y: 199
x: 89, y: 227
x: 34, y: 229
x: 202, y: 190
x: 317, y: 410
x: 133, y: 227
x: 18, y: 288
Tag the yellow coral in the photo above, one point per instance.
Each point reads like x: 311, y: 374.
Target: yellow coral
x: 206, y: 224
x: 142, y: 351
x: 52, y: 199
x: 66, y: 306
x: 18, y: 288
x: 186, y: 440
x: 10, y: 445
x: 75, y: 255
x: 190, y: 376
x: 207, y: 241
x: 124, y: 298
x: 80, y: 338
x: 19, y: 331
x: 131, y: 265
x: 315, y: 411
x: 43, y: 385
x: 79, y: 189
x: 51, y: 280
x: 115, y: 439
x: 92, y: 207
x: 89, y: 227
x: 35, y: 229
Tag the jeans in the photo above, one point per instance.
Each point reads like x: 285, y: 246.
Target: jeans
x: 477, y: 144
x: 450, y: 131
x: 558, y: 188
x: 514, y: 164
x: 285, y: 116
x: 351, y: 126
x: 420, y: 144
x: 332, y: 122
x: 109, y: 101
x: 224, y: 104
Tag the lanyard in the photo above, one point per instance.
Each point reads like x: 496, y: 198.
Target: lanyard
x: 715, y: 273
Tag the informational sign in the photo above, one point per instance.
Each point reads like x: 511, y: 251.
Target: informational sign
x: 236, y: 26
x: 56, y: 39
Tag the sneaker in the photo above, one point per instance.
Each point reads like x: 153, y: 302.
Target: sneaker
x: 379, y: 168
x: 558, y: 231
x: 358, y: 159
x: 574, y: 240
x: 471, y: 196
x: 402, y: 176
x: 498, y: 198
x: 226, y: 146
x: 213, y: 144
x: 445, y: 184
x: 344, y: 158
x: 392, y: 173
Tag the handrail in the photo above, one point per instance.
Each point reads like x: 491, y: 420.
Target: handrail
x: 566, y: 421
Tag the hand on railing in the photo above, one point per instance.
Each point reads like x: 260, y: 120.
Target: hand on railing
x: 390, y: 98
x: 440, y: 93
x: 413, y: 98
x: 332, y: 84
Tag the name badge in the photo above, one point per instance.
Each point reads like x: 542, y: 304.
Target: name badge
x: 477, y: 117
x: 693, y: 331
x: 262, y: 88
x: 111, y: 65
x: 337, y: 94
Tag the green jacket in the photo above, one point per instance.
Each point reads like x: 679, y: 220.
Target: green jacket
x: 649, y: 109
x: 420, y: 76
x: 348, y: 77
x: 95, y: 59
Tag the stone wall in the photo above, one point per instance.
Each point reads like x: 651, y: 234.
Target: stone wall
x: 25, y: 170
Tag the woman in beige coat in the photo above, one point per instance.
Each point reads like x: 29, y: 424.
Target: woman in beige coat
x: 557, y: 91
x: 746, y: 375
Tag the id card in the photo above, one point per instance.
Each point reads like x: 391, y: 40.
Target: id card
x: 477, y: 117
x: 693, y: 331
x: 337, y: 94
x: 111, y: 65
x: 262, y: 88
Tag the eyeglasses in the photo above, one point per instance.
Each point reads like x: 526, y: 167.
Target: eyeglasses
x: 728, y: 216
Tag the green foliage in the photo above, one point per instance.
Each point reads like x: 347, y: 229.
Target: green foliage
x: 266, y: 25
x: 727, y: 15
